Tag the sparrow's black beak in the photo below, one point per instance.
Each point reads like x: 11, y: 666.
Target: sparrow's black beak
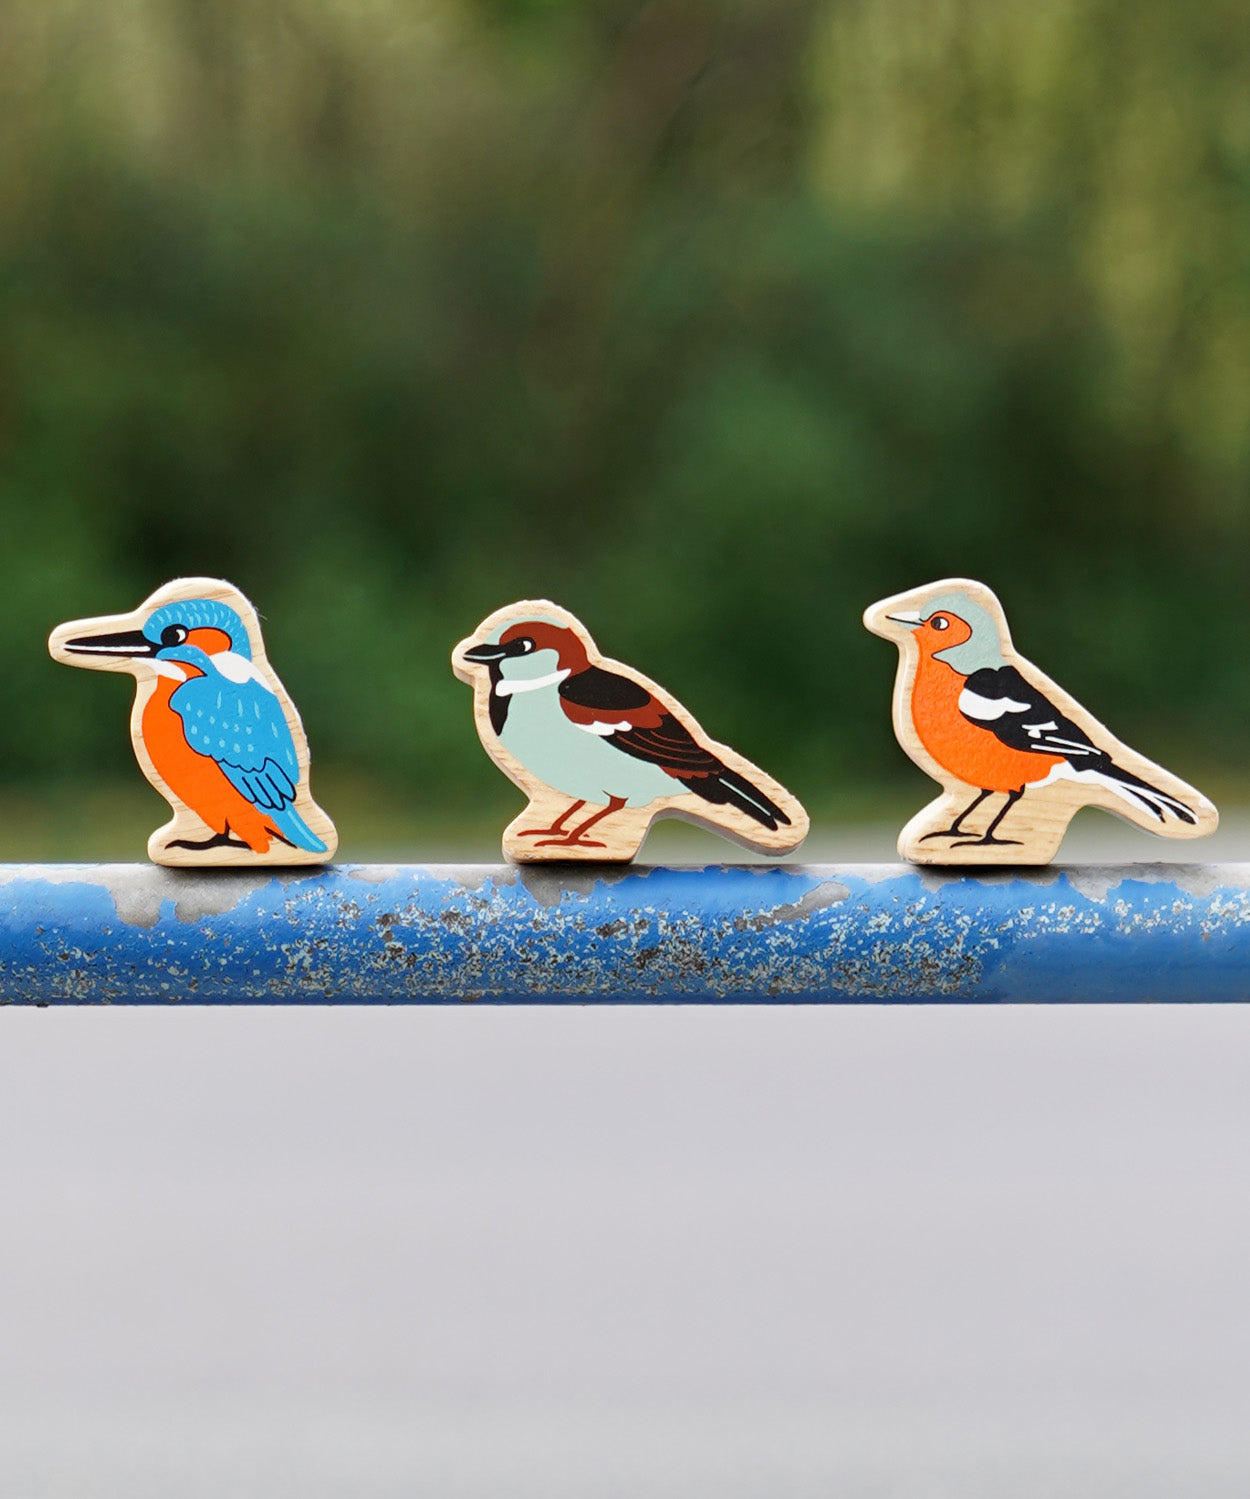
x: 488, y: 655
x: 126, y: 644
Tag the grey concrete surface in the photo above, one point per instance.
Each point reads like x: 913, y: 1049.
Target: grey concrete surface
x: 480, y: 1254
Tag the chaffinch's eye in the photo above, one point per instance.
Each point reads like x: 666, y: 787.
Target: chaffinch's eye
x: 940, y: 622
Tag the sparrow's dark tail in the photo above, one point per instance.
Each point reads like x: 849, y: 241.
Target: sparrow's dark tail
x: 727, y: 788
x: 1125, y: 784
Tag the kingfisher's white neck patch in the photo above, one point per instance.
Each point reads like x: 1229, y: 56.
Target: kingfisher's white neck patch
x: 168, y: 669
x: 236, y: 668
x: 508, y: 686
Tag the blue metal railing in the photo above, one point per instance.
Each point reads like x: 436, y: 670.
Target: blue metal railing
x: 824, y: 934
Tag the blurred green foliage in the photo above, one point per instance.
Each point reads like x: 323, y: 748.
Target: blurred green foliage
x: 712, y: 321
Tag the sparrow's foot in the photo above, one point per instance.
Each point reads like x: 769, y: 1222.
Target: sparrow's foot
x: 557, y: 828
x: 570, y: 840
x: 951, y: 832
x: 988, y: 841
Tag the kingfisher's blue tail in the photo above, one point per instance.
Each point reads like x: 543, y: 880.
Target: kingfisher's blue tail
x: 295, y: 830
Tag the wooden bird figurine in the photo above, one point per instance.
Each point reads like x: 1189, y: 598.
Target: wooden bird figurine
x: 212, y: 726
x: 986, y: 723
x: 598, y: 748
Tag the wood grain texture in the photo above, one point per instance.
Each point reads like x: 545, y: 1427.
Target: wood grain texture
x: 212, y: 726
x: 1015, y: 754
x: 600, y: 750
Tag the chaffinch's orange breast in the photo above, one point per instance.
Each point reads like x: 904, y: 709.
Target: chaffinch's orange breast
x: 972, y: 754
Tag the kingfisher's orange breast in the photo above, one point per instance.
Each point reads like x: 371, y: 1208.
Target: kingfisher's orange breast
x: 972, y: 754
x: 197, y: 779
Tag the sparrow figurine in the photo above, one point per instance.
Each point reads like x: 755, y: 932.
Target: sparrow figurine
x: 600, y: 750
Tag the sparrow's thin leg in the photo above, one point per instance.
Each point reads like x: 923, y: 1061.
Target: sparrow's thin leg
x: 574, y: 839
x: 988, y: 836
x: 556, y: 827
x: 956, y: 828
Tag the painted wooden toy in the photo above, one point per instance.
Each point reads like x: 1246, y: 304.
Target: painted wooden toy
x: 212, y: 726
x: 599, y: 749
x: 986, y: 723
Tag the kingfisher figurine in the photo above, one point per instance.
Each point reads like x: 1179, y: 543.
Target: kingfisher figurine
x: 600, y: 750
x: 212, y: 726
x: 986, y: 723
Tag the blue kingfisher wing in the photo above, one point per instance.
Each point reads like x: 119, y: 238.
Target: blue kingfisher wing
x: 241, y: 725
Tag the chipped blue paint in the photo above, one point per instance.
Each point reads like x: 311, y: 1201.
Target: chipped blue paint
x: 136, y: 934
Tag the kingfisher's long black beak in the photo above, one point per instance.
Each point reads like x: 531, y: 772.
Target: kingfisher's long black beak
x: 488, y: 655
x: 125, y: 644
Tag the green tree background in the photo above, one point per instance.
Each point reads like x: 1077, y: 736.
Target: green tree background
x: 712, y: 321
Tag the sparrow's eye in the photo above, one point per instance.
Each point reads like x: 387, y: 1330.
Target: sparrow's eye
x: 526, y: 645
x: 174, y: 634
x: 940, y: 622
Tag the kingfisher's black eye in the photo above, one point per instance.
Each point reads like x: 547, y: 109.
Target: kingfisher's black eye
x: 174, y: 634
x: 940, y: 622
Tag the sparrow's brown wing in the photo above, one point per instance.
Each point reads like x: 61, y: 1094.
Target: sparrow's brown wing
x: 628, y: 716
